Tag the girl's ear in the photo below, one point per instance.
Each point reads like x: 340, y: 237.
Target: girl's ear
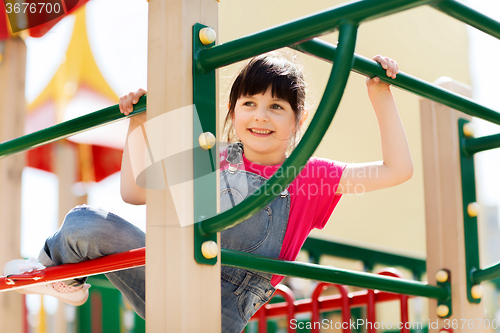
x: 304, y: 117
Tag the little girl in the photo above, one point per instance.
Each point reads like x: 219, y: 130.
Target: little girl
x: 266, y: 110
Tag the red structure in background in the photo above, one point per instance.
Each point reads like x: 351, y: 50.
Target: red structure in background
x: 105, y: 160
x: 344, y: 301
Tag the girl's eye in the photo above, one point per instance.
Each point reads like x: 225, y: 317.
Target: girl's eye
x: 249, y: 104
x: 276, y: 107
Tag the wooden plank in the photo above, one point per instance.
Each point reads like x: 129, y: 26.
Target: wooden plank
x: 181, y: 296
x: 12, y: 114
x: 443, y: 203
x: 65, y: 161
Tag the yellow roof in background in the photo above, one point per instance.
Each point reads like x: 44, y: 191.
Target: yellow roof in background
x: 79, y: 69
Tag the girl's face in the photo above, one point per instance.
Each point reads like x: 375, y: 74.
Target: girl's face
x: 265, y: 124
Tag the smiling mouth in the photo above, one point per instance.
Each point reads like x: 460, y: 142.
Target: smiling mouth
x: 262, y: 132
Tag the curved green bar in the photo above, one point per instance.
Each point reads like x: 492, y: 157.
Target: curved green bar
x: 365, y: 66
x: 476, y: 145
x: 299, y: 30
x: 486, y: 274
x: 470, y: 16
x: 68, y: 128
x: 292, y: 166
x: 331, y: 275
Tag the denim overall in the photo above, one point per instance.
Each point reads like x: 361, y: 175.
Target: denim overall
x: 243, y: 292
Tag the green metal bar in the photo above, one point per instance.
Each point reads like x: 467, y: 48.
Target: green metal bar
x: 68, y: 128
x: 486, y: 274
x: 317, y: 247
x: 299, y: 30
x: 471, y: 238
x: 291, y: 167
x: 204, y: 161
x: 470, y: 16
x: 332, y: 275
x: 407, y: 82
x: 476, y: 145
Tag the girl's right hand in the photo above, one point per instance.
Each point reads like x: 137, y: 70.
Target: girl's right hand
x: 127, y: 102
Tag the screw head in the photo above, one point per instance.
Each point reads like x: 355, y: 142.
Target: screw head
x: 477, y: 291
x: 468, y: 130
x: 473, y: 209
x: 207, y: 36
x: 441, y: 276
x: 206, y: 140
x: 442, y: 311
x: 209, y: 249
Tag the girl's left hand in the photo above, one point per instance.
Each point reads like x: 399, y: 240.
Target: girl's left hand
x: 375, y: 84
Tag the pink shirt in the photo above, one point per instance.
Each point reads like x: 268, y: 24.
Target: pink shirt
x: 312, y: 200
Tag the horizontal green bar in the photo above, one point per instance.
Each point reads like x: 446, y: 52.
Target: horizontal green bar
x: 68, y: 128
x: 476, y: 145
x: 313, y: 136
x: 470, y: 16
x: 365, y: 66
x: 317, y: 247
x: 331, y: 275
x: 486, y: 274
x: 299, y: 30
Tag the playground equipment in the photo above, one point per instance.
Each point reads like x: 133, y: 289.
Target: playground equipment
x: 316, y: 248
x: 344, y: 301
x: 298, y: 34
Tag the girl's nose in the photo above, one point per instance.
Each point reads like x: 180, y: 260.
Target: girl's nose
x: 261, y: 115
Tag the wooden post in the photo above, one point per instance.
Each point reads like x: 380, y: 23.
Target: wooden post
x: 443, y: 203
x: 12, y: 113
x: 181, y: 295
x: 65, y: 161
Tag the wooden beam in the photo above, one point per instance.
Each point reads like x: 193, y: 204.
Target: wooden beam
x: 12, y: 114
x: 181, y: 295
x: 443, y: 203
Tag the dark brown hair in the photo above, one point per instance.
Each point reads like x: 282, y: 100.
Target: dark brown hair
x: 285, y: 79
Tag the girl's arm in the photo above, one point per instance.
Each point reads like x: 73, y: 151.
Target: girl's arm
x: 397, y: 165
x: 130, y: 192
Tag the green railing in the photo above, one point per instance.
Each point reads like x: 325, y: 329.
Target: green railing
x: 469, y: 16
x: 468, y: 147
x: 300, y: 30
x: 477, y: 145
x: 486, y: 274
x: 317, y: 247
x: 367, y: 67
x: 68, y: 128
x: 332, y: 275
